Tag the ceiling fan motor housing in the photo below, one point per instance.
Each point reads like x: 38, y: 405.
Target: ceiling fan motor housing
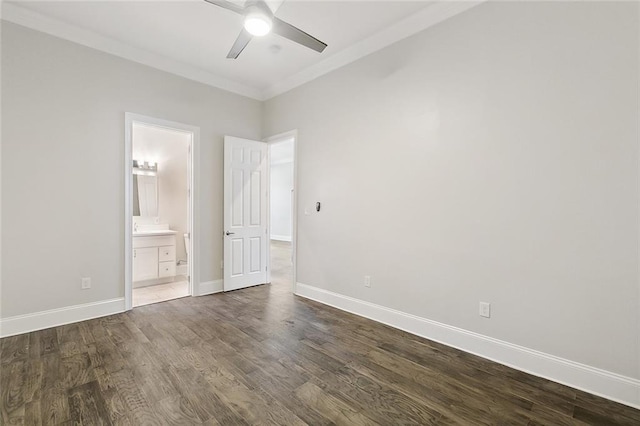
x: 257, y: 21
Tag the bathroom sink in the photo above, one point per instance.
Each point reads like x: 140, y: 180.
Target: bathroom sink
x: 153, y: 232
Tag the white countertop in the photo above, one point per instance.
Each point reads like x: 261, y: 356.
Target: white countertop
x: 153, y: 233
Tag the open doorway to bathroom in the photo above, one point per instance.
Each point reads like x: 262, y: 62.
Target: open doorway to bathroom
x: 159, y: 243
x: 282, y: 202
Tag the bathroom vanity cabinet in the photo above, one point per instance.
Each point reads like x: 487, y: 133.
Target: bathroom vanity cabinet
x: 154, y: 258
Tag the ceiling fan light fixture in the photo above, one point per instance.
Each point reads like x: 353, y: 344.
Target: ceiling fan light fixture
x: 258, y: 21
x: 258, y: 24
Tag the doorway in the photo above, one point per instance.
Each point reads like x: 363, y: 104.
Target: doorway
x: 253, y: 253
x: 282, y: 211
x: 159, y: 225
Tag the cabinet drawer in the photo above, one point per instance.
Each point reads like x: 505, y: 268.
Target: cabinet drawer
x: 167, y: 253
x: 167, y: 269
x: 163, y: 240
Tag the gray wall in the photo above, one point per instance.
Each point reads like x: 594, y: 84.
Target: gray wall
x: 492, y: 157
x: 63, y: 111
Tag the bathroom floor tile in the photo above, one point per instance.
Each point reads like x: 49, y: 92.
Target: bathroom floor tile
x: 160, y: 293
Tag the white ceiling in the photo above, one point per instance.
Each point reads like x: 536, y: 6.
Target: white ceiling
x: 192, y: 37
x: 159, y: 145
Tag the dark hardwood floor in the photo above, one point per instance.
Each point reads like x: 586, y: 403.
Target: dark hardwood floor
x: 264, y: 356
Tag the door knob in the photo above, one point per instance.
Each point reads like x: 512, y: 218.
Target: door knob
x: 229, y: 233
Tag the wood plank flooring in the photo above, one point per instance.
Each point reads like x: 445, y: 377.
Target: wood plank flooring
x: 264, y: 356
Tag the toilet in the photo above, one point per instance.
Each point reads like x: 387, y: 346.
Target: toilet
x: 183, y: 266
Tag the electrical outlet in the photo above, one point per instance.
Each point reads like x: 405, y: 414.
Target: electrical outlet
x: 485, y: 309
x: 86, y: 283
x: 367, y: 281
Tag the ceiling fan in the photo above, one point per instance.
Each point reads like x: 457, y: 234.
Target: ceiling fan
x: 259, y: 21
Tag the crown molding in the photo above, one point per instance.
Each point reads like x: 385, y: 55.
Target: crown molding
x: 429, y: 16
x: 63, y: 30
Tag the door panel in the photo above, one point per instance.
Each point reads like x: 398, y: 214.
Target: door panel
x: 245, y: 215
x: 256, y: 198
x: 238, y: 198
x: 255, y: 254
x: 237, y: 257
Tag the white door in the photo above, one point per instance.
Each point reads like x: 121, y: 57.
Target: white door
x: 245, y: 213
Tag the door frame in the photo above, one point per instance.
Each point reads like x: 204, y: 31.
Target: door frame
x: 194, y: 220
x: 281, y: 137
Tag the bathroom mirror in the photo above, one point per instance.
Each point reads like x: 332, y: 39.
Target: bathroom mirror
x: 145, y: 192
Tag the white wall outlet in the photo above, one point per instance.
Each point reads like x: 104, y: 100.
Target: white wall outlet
x: 86, y: 283
x: 367, y: 281
x: 485, y: 309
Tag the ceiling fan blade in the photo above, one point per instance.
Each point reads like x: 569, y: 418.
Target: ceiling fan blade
x: 269, y: 6
x: 287, y: 30
x: 227, y: 5
x: 238, y: 46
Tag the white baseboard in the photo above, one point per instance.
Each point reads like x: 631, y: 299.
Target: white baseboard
x: 155, y: 281
x: 281, y: 237
x: 46, y: 319
x: 210, y: 287
x: 625, y: 390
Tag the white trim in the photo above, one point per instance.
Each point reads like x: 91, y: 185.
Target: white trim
x: 272, y: 140
x: 420, y: 21
x: 429, y: 16
x: 155, y: 281
x: 625, y: 390
x: 1, y: 8
x: 20, y: 324
x: 39, y: 22
x: 281, y: 237
x: 210, y: 287
x: 194, y: 200
x: 128, y: 211
x: 638, y: 234
x: 268, y: 212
